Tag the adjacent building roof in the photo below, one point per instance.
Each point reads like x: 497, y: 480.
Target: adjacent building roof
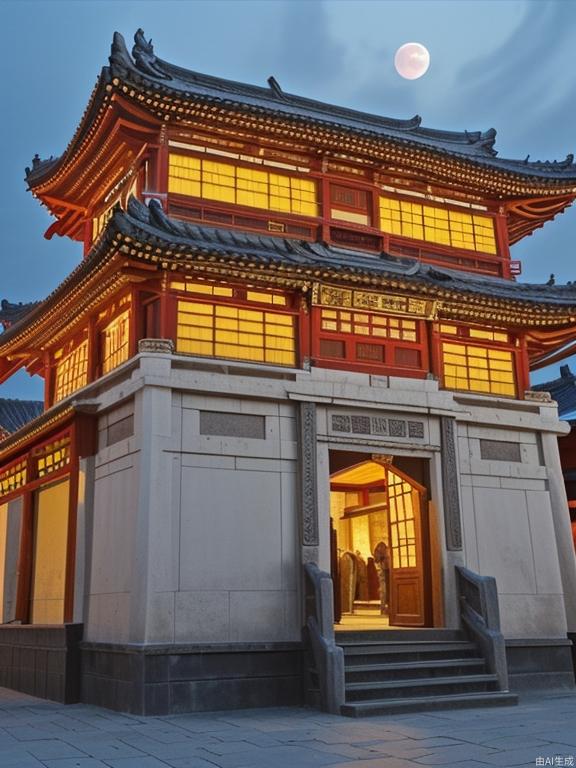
x: 16, y: 413
x: 11, y: 313
x: 563, y: 390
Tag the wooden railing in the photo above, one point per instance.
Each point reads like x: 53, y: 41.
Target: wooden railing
x: 319, y: 635
x: 478, y: 598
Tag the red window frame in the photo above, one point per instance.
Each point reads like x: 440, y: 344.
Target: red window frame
x: 515, y: 345
x: 350, y: 342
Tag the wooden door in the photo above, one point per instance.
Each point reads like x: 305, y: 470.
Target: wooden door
x: 406, y: 499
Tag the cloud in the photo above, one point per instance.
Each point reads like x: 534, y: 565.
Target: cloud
x: 528, y: 79
x: 306, y: 49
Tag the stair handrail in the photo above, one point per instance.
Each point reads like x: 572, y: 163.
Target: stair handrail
x: 480, y: 614
x: 328, y: 657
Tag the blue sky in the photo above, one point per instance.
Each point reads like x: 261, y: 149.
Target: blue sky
x: 506, y: 64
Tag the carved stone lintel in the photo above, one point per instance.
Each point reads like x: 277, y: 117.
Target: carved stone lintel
x: 452, y: 518
x: 162, y: 346
x: 308, y: 475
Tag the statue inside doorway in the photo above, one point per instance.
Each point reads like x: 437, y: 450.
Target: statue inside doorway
x: 382, y: 562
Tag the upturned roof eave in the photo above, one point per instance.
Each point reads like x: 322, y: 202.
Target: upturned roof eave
x: 45, y: 170
x: 133, y: 235
x: 471, y: 148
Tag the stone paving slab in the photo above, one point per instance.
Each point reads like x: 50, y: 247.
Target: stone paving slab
x: 40, y: 734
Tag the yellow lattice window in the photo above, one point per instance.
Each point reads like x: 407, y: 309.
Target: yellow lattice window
x: 50, y: 539
x: 434, y: 224
x: 209, y: 289
x: 13, y: 478
x: 115, y: 340
x: 368, y: 324
x: 243, y: 334
x: 478, y: 369
x: 52, y: 457
x: 402, y: 525
x: 252, y: 187
x: 71, y: 370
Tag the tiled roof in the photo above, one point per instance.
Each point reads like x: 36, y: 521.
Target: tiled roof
x: 150, y: 224
x: 10, y: 313
x: 15, y: 413
x: 144, y: 71
x: 563, y: 390
x: 145, y: 231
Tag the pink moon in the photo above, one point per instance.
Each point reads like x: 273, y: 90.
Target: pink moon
x: 411, y: 60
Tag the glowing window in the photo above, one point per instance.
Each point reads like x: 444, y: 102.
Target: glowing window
x: 402, y: 522
x: 52, y: 457
x: 433, y: 224
x: 479, y: 369
x: 242, y: 334
x: 13, y: 478
x: 49, y: 554
x: 71, y: 370
x: 115, y: 342
x: 485, y: 334
x: 209, y: 289
x: 368, y: 324
x: 228, y: 183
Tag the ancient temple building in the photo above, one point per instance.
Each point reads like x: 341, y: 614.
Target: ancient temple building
x: 296, y: 338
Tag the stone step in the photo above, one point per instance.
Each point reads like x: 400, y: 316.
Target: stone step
x: 344, y: 636
x: 421, y: 687
x: 427, y: 703
x: 414, y: 669
x: 376, y: 653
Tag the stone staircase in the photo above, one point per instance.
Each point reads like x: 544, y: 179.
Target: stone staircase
x: 394, y: 671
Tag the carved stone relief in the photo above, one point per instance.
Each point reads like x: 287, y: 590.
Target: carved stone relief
x: 308, y: 475
x: 452, y: 518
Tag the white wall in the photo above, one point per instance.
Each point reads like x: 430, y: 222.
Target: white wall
x: 509, y: 531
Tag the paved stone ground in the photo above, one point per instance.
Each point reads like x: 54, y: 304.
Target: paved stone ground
x: 34, y: 733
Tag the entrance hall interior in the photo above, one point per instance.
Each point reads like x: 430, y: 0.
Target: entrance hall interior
x: 380, y: 541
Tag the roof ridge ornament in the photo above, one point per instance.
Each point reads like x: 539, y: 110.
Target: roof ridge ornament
x: 145, y: 59
x: 483, y: 140
x: 275, y: 87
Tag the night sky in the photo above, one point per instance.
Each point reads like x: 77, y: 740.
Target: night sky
x: 505, y: 64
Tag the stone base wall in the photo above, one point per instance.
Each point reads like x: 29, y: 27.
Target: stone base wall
x: 540, y: 664
x: 161, y: 680
x: 42, y: 661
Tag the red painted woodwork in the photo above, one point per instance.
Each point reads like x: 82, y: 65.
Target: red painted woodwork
x: 350, y: 351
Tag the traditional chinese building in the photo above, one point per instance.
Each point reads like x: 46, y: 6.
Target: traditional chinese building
x: 296, y: 335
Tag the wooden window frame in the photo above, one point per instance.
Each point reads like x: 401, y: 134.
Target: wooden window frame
x: 81, y: 437
x: 351, y: 362
x: 239, y: 300
x: 357, y: 190
x: 246, y: 210
x: 70, y: 346
x: 111, y: 313
x: 514, y: 346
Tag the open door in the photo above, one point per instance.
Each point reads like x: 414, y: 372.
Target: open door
x: 406, y: 500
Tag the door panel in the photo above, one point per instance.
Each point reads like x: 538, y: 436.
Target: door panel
x: 405, y: 499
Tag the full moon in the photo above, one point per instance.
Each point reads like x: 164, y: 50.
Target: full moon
x: 412, y: 60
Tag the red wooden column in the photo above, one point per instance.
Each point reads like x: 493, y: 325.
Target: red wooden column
x: 48, y: 383
x: 304, y: 330
x: 434, y: 342
x: 522, y: 368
